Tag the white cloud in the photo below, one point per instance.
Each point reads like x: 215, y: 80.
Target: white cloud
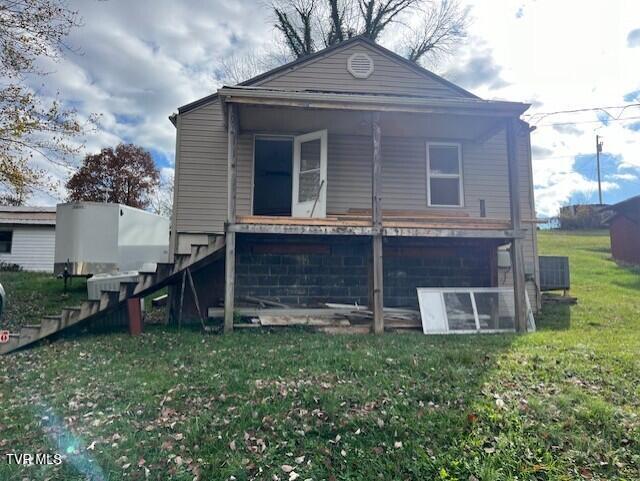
x: 549, y: 54
x: 134, y: 63
x: 139, y: 61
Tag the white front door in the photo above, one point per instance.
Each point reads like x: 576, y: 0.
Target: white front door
x: 310, y: 175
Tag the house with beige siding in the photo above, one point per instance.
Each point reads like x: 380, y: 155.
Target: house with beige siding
x: 28, y: 237
x: 354, y: 176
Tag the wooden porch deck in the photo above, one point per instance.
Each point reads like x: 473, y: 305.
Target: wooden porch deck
x: 394, y: 223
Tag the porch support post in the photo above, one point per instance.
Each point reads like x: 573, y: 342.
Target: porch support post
x: 230, y: 241
x: 376, y: 218
x: 517, y: 256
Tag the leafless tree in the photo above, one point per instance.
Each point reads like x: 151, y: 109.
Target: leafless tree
x: 444, y: 25
x: 307, y: 25
x: 162, y: 202
x: 295, y: 21
x: 236, y: 68
x: 379, y: 14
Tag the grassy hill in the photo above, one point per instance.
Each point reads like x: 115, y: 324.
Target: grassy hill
x: 562, y: 403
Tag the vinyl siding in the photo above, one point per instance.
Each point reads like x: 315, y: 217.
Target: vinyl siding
x: 485, y: 175
x: 389, y: 76
x: 201, y: 177
x: 32, y: 248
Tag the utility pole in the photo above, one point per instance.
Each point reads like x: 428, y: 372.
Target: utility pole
x: 598, y: 150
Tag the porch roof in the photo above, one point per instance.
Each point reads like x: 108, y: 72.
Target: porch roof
x: 321, y: 99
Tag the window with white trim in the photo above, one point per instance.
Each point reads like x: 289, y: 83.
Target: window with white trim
x: 444, y: 174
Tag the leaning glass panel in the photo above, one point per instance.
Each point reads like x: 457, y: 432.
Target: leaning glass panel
x: 495, y: 309
x: 459, y: 311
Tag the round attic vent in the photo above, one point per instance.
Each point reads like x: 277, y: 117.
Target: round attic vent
x: 360, y: 65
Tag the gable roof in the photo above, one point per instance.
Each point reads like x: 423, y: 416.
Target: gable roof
x: 324, y: 52
x: 629, y: 208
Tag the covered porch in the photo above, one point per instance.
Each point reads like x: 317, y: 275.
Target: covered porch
x: 339, y: 144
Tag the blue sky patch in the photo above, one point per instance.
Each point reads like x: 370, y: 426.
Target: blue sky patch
x: 603, y: 118
x: 635, y: 126
x: 126, y: 119
x: 632, y: 96
x: 160, y: 158
x: 633, y: 38
x: 609, y: 169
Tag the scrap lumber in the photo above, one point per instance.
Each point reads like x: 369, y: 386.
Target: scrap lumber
x: 256, y: 311
x: 160, y: 300
x: 270, y: 321
x: 556, y: 299
x: 264, y: 302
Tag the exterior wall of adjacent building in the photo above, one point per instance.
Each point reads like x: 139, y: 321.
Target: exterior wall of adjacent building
x: 625, y: 236
x: 32, y: 247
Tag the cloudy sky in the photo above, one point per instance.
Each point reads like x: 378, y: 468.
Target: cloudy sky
x: 135, y: 62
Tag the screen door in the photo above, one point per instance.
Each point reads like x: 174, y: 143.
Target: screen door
x: 309, y: 193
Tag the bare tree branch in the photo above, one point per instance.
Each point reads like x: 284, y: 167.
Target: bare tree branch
x: 378, y: 14
x: 305, y: 24
x: 443, y: 27
x: 294, y: 19
x: 33, y: 128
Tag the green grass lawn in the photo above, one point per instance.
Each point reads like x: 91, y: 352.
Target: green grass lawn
x: 562, y: 403
x: 31, y: 295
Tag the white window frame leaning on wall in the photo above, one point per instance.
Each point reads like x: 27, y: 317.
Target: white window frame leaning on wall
x: 458, y: 175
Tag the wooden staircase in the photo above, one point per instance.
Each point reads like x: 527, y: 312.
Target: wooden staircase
x: 148, y: 282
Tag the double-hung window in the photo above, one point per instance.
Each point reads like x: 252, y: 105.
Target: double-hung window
x: 444, y: 174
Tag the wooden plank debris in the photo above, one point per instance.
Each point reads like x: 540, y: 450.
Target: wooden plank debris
x: 160, y: 300
x: 338, y: 316
x: 281, y: 320
x: 548, y: 298
x: 263, y: 302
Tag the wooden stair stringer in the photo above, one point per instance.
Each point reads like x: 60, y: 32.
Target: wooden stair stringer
x: 148, y: 282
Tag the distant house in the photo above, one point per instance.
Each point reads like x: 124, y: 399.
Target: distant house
x: 582, y: 216
x: 625, y: 231
x: 28, y: 237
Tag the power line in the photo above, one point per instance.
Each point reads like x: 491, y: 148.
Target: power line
x: 587, y: 122
x: 586, y: 109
